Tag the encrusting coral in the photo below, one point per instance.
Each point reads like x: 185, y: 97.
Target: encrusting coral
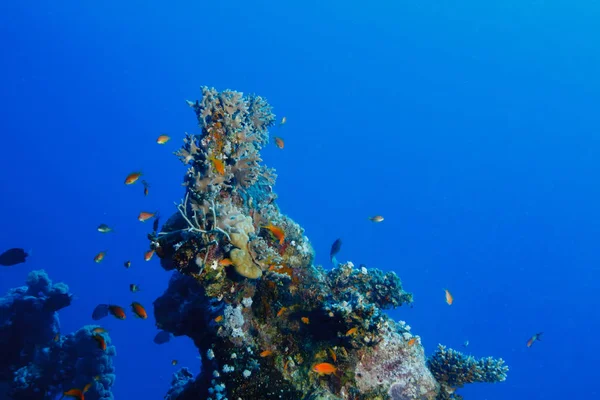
x: 37, y: 361
x: 266, y: 321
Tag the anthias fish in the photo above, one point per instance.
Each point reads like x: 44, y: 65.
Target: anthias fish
x: 376, y: 218
x: 133, y: 178
x: 279, y: 142
x: 13, y: 257
x: 535, y: 338
x: 139, y: 310
x: 162, y: 337
x: 162, y: 139
x: 335, y: 248
x: 103, y: 228
x: 449, y: 298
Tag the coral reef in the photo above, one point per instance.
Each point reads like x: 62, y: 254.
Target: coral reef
x: 266, y: 321
x: 453, y: 369
x: 37, y: 361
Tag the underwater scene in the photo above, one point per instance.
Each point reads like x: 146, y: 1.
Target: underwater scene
x: 299, y: 200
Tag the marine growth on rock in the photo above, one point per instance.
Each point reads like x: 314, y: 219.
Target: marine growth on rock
x: 268, y: 323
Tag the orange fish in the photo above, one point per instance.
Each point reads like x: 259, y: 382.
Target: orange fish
x: 219, y: 319
x: 352, y: 331
x: 132, y: 178
x: 276, y: 231
x: 145, y: 216
x: 139, y: 310
x: 226, y: 262
x: 87, y: 387
x: 100, y: 256
x: 148, y: 255
x: 324, y: 369
x: 117, y: 311
x: 281, y: 311
x: 219, y: 165
x: 99, y: 330
x: 412, y: 341
x: 162, y: 139
x: 77, y: 393
x: 279, y: 142
x: 266, y: 353
x: 534, y: 338
x: 305, y: 320
x: 101, y: 342
x: 449, y: 298
x: 56, y: 337
x: 333, y: 356
x: 146, y: 186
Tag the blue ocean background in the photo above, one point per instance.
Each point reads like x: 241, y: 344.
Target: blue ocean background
x: 471, y: 126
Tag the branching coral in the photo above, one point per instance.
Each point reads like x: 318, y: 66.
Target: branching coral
x: 36, y: 360
x: 247, y: 292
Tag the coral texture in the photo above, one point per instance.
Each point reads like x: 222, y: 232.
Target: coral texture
x: 453, y: 369
x: 268, y: 323
x: 37, y: 361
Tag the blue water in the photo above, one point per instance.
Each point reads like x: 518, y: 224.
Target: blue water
x: 473, y: 128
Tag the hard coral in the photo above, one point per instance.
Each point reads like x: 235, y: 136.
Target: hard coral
x: 37, y: 362
x: 247, y: 292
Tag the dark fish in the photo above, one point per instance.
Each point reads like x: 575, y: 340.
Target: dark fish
x: 13, y: 257
x: 100, y: 312
x: 535, y: 338
x: 335, y: 248
x: 155, y: 224
x: 162, y: 337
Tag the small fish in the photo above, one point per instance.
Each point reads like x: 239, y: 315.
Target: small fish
x: 127, y: 264
x: 281, y: 311
x: 335, y: 248
x: 466, y: 343
x: 174, y: 362
x: 333, y: 355
x: 145, y: 216
x: 148, y: 255
x: 283, y: 121
x: 117, y: 311
x: 219, y: 319
x: 132, y: 178
x: 139, y: 310
x: 134, y: 288
x: 100, y: 312
x: 103, y: 228
x: 99, y: 257
x: 101, y: 342
x: 86, y: 388
x: 305, y: 320
x: 162, y: 337
x: 279, y: 142
x: 219, y: 165
x: 13, y: 257
x: 352, y: 331
x: 266, y: 353
x: 324, y: 369
x: 226, y: 262
x: 162, y: 139
x: 535, y: 338
x: 77, y: 393
x: 449, y: 298
x: 146, y: 186
x: 276, y: 232
x: 412, y: 341
x: 376, y: 218
x: 56, y: 337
